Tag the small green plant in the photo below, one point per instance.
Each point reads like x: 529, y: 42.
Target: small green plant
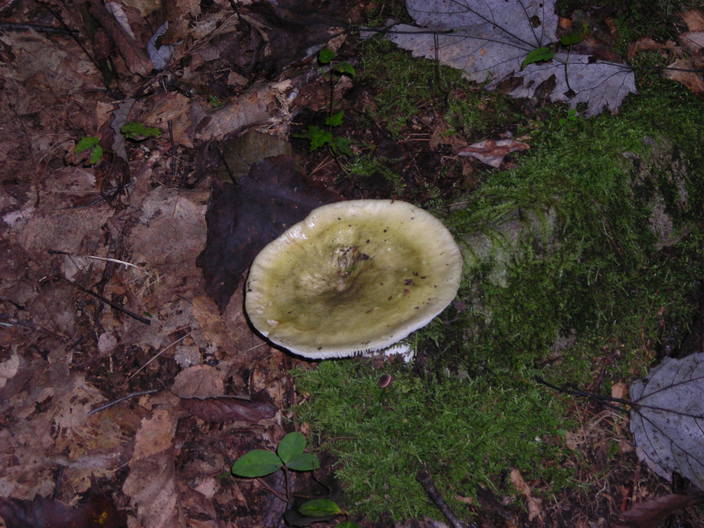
x: 542, y: 54
x: 214, y: 101
x: 327, y: 56
x: 571, y: 119
x: 91, y: 143
x: 320, y: 137
x: 138, y: 132
x: 289, y: 455
x: 316, y: 136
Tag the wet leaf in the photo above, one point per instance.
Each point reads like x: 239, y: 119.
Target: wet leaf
x: 290, y: 446
x: 667, y: 420
x: 50, y: 513
x: 650, y: 513
x: 256, y: 463
x: 223, y: 409
x: 242, y: 219
x: 319, y: 508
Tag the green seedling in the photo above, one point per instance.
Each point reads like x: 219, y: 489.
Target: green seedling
x: 289, y: 455
x: 138, y: 132
x: 571, y: 119
x: 214, y: 101
x: 575, y: 36
x: 91, y: 143
x: 318, y: 137
x: 542, y: 54
x: 327, y: 56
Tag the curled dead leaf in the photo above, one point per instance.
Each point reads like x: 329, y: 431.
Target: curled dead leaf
x: 694, y: 19
x: 229, y: 409
x: 493, y: 152
x: 535, y: 506
x: 650, y: 513
x: 684, y: 72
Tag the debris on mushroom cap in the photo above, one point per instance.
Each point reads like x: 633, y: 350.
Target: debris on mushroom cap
x: 353, y: 276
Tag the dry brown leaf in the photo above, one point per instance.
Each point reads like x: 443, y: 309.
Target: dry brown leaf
x: 646, y: 44
x: 151, y: 483
x: 535, y: 506
x: 155, y: 435
x: 170, y: 112
x: 619, y: 390
x: 200, y: 381
x: 265, y: 104
x: 151, y: 486
x: 684, y: 72
x: 694, y: 19
x: 492, y: 152
x: 693, y: 41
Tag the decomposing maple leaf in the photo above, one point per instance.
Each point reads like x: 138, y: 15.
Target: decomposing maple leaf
x: 490, y: 42
x: 667, y: 420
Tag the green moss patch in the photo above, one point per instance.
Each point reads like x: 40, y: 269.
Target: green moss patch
x: 465, y: 432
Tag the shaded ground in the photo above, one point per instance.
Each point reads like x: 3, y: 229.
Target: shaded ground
x: 103, y: 296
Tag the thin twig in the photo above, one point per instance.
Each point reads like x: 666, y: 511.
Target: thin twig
x: 276, y: 493
x: 116, y: 261
x: 109, y: 302
x: 119, y: 400
x: 25, y: 26
x: 423, y: 477
x: 140, y: 369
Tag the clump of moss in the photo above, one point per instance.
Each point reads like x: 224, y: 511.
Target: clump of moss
x: 465, y: 432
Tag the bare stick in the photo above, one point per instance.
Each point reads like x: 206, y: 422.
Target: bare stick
x: 140, y: 369
x: 423, y: 477
x: 109, y: 302
x: 119, y: 400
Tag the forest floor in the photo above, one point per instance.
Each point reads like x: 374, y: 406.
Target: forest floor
x: 130, y: 378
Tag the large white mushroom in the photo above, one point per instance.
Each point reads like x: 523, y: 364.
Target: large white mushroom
x: 353, y: 276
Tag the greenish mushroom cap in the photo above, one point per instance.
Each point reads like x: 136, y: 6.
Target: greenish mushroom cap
x: 353, y: 276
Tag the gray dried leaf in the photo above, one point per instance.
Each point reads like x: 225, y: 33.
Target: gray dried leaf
x: 667, y: 420
x: 490, y: 40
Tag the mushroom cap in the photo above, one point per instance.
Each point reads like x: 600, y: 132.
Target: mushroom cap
x: 353, y: 276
